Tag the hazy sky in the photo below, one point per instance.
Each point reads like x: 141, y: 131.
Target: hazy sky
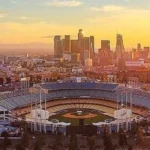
x: 25, y: 21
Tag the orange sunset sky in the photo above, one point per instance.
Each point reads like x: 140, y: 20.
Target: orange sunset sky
x: 30, y: 21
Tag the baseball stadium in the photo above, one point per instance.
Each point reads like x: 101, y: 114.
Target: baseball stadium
x: 75, y: 102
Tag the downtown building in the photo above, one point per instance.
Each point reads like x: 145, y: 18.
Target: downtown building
x: 140, y: 53
x: 68, y: 48
x: 105, y: 55
x: 119, y: 47
x: 58, y: 47
x: 86, y: 46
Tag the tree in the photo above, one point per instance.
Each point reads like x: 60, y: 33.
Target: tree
x: 38, y: 78
x: 91, y: 142
x: 139, y: 136
x: 125, y: 79
x: 25, y: 140
x: 58, y: 140
x: 6, y: 141
x: 1, y: 80
x: 8, y: 80
x: 107, y: 139
x: 73, y: 142
x: 19, y: 147
x: 134, y: 127
x: 40, y: 142
x: 122, y: 137
x: 23, y: 123
x: 4, y: 134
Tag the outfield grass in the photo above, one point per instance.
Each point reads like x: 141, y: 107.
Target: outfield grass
x: 89, y: 121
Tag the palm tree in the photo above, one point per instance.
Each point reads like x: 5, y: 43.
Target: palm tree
x: 23, y: 124
x: 38, y: 78
x: 19, y: 147
x: 25, y: 141
x: 58, y: 140
x: 73, y: 142
x: 107, y: 139
x: 40, y: 142
x: 6, y: 141
x: 1, y: 80
x: 91, y: 142
x: 122, y: 137
x: 8, y: 80
x: 139, y: 136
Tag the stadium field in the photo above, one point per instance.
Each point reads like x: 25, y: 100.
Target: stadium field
x: 71, y: 116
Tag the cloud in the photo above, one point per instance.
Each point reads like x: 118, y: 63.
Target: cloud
x: 14, y: 2
x: 23, y: 18
x: 42, y: 22
x: 122, y: 17
x: 104, y: 20
x: 3, y: 14
x: 64, y: 3
x: 108, y: 8
x: 128, y: 0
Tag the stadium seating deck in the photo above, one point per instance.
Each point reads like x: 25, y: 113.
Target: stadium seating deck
x: 91, y: 90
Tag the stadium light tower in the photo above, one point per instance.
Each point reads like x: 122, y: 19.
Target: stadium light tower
x: 124, y: 111
x: 38, y: 116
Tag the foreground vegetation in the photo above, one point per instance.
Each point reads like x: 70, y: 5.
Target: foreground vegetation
x: 135, y: 139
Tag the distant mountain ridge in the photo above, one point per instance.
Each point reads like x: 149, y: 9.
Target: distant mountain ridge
x: 34, y: 45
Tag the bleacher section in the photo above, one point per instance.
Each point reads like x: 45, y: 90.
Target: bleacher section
x: 69, y: 90
x: 64, y: 104
x: 80, y: 85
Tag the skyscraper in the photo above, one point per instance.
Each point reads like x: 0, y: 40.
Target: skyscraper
x: 92, y: 46
x: 105, y: 45
x: 80, y: 34
x: 74, y: 46
x: 67, y: 44
x: 92, y: 42
x: 58, y: 49
x: 139, y: 47
x: 63, y: 44
x: 86, y: 54
x: 80, y: 37
x: 85, y: 45
x: 119, y: 47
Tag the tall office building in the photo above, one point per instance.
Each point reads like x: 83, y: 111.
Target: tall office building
x: 139, y: 47
x: 86, y: 54
x: 92, y: 46
x: 119, y: 47
x: 147, y: 49
x: 105, y: 45
x: 74, y: 46
x: 63, y: 44
x: 58, y: 47
x: 67, y: 44
x: 92, y: 43
x: 145, y: 53
x: 85, y: 45
x: 80, y: 34
x: 80, y: 37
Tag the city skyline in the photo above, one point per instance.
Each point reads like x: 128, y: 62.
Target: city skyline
x: 35, y: 21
